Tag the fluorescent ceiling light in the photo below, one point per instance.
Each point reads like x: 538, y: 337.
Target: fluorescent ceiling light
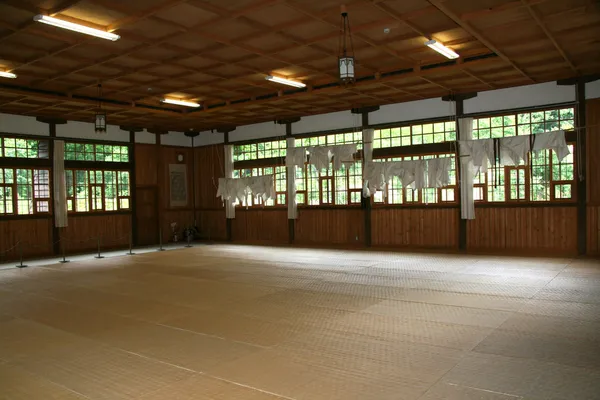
x: 443, y: 50
x: 7, y: 75
x: 76, y: 27
x: 181, y: 102
x: 285, y: 81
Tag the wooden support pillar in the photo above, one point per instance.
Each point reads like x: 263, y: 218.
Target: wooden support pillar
x: 459, y: 101
x: 581, y: 153
x: 288, y: 134
x: 52, y: 122
x: 581, y: 123
x: 192, y: 135
x: 462, y: 223
x: 228, y: 225
x: 160, y: 177
x: 366, y: 202
x: 55, y: 230
x: 132, y: 181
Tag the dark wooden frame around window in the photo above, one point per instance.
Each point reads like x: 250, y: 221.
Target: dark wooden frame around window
x: 38, y: 191
x: 82, y: 186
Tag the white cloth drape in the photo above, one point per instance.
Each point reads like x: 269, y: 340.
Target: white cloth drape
x: 480, y: 152
x: 367, y: 137
x: 415, y: 174
x: 236, y: 190
x: 514, y: 150
x: 60, y: 185
x: 343, y: 154
x: 295, y: 156
x: 554, y: 141
x: 228, y: 160
x: 320, y: 156
x: 467, y: 168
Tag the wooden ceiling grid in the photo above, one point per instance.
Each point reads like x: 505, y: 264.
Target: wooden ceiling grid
x: 218, y: 53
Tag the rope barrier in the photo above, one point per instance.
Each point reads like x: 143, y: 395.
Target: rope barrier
x: 10, y: 249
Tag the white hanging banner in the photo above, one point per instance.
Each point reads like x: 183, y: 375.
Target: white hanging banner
x: 294, y: 157
x: 467, y: 168
x: 60, y: 185
x: 228, y: 161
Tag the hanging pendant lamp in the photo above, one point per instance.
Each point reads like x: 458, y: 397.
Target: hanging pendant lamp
x: 100, y: 121
x: 346, y: 61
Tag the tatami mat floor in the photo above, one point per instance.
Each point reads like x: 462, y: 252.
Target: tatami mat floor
x: 242, y: 322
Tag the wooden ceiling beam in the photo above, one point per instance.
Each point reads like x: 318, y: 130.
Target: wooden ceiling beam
x: 133, y: 18
x: 440, y: 5
x: 400, y: 18
x: 363, y: 38
x: 66, y: 97
x: 394, y: 78
x: 498, y: 9
x: 543, y: 27
x: 472, y: 75
x: 28, y: 7
x: 62, y: 7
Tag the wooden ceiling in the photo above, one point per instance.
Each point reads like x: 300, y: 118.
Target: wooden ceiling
x: 218, y: 52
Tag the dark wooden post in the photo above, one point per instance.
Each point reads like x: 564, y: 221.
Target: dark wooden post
x: 366, y: 202
x: 459, y: 100
x: 192, y: 135
x: 160, y: 178
x: 288, y: 134
x: 225, y: 131
x: 132, y: 181
x: 52, y: 122
x: 581, y: 184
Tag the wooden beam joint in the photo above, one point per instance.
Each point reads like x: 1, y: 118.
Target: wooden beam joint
x: 362, y: 110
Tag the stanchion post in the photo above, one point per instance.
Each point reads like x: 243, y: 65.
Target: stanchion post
x: 21, y: 265
x: 131, y: 253
x: 160, y: 240
x: 99, y: 255
x: 189, y: 241
x: 64, y: 256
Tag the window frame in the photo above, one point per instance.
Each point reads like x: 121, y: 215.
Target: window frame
x: 329, y: 176
x: 34, y: 198
x: 89, y: 191
x: 419, y: 193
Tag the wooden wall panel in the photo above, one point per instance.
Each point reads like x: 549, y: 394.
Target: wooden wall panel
x: 212, y: 224
x: 424, y: 228
x: 34, y: 234
x: 524, y: 229
x: 83, y: 231
x: 270, y: 226
x: 330, y: 226
x: 593, y: 152
x: 593, y: 230
x: 209, y: 168
x: 146, y: 169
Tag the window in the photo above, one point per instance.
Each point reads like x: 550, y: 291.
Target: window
x: 436, y: 132
x: 255, y: 151
x: 23, y: 148
x: 280, y: 182
x: 525, y: 123
x: 545, y: 179
x: 330, y: 187
x: 24, y: 191
x: 331, y: 139
x: 97, y: 190
x: 96, y: 152
x: 396, y: 194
